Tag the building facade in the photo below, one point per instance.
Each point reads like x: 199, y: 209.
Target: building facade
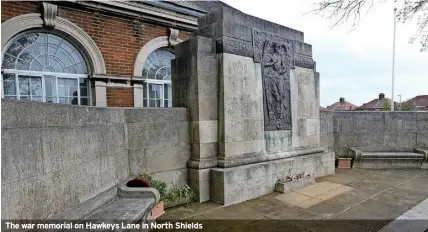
x: 99, y: 53
x: 341, y: 105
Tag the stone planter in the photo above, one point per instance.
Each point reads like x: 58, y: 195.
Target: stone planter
x: 284, y: 187
x: 344, y: 162
x: 158, y: 210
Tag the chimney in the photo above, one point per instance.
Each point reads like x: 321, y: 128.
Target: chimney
x: 381, y: 96
x: 342, y: 100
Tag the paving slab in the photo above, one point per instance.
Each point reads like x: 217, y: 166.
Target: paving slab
x: 415, y: 220
x: 368, y: 204
x: 292, y: 198
x: 318, y: 188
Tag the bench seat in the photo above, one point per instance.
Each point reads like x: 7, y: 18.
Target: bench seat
x: 117, y: 205
x: 418, y: 158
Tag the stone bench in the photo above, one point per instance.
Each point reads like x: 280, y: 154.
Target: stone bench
x: 418, y: 158
x: 119, y: 204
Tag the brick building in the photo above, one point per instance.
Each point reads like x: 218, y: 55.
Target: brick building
x: 100, y: 53
x: 378, y: 104
x: 419, y: 103
x: 341, y: 105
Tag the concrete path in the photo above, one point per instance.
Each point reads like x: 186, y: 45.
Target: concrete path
x: 414, y: 220
x: 368, y: 200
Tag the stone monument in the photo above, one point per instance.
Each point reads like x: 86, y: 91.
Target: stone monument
x: 253, y: 93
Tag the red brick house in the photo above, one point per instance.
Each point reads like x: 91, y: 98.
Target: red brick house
x: 100, y: 53
x: 342, y: 105
x: 378, y: 104
x: 419, y: 102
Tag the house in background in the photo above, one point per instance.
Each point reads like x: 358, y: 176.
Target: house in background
x: 341, y: 105
x: 419, y: 103
x: 378, y: 104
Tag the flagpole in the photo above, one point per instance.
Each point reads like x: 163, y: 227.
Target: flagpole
x: 393, y: 60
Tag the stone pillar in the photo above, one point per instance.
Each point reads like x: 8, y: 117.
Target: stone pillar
x: 195, y: 86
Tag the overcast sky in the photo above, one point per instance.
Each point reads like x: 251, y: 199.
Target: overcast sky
x: 356, y: 65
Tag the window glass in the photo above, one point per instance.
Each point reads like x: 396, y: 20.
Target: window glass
x: 41, y: 66
x: 157, y: 72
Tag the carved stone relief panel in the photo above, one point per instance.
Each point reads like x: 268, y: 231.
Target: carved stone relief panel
x: 276, y: 55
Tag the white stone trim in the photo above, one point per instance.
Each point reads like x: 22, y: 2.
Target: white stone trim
x: 148, y: 48
x: 49, y: 14
x: 20, y: 23
x: 100, y: 94
x: 138, y: 95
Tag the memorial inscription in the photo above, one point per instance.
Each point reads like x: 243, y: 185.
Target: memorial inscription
x: 276, y: 55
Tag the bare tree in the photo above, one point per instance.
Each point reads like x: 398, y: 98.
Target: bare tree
x: 341, y: 11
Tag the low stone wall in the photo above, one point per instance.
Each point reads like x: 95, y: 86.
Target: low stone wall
x: 159, y: 143
x: 55, y: 157
x: 374, y: 131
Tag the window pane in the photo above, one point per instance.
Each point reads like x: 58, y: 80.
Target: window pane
x: 84, y: 101
x: 167, y: 91
x: 24, y: 85
x: 145, y: 103
x: 8, y: 61
x: 62, y: 88
x: 155, y: 103
x: 36, y: 86
x: 9, y: 84
x: 63, y: 100
x: 38, y: 99
x: 154, y: 91
x: 167, y: 103
x: 51, y: 99
x: 50, y: 86
x: 145, y: 90
x: 46, y: 52
x: 74, y: 100
x: 24, y: 98
x: 72, y: 91
x: 84, y: 84
x: 10, y: 97
x: 14, y: 49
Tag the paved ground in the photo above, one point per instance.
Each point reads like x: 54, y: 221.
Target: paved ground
x: 357, y: 200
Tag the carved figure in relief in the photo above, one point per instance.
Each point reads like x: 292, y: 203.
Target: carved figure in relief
x: 276, y: 68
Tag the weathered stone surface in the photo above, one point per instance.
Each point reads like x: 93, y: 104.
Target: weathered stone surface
x: 52, y: 165
x: 237, y: 184
x: 22, y: 154
x: 278, y: 141
x: 32, y: 114
x: 233, y: 23
x: 373, y: 131
x: 172, y: 177
x: 240, y: 125
x: 199, y: 181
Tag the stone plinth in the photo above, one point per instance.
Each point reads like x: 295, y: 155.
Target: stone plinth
x: 236, y: 184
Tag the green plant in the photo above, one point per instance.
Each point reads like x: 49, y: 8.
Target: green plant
x: 171, y: 195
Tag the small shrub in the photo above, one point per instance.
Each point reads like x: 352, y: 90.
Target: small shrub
x: 173, y: 195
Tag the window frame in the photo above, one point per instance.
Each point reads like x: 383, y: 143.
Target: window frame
x: 42, y: 74
x: 163, y: 83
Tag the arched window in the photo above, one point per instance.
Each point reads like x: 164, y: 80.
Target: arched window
x: 46, y: 67
x: 157, y: 75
